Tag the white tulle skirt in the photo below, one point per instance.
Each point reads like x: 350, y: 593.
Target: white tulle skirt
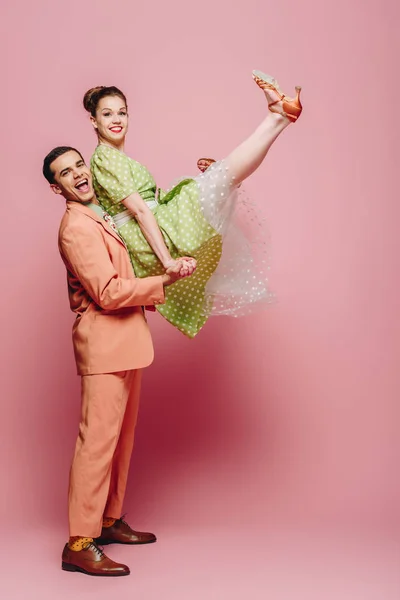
x: 239, y: 286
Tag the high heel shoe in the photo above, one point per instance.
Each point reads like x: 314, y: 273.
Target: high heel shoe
x: 204, y: 163
x: 291, y: 107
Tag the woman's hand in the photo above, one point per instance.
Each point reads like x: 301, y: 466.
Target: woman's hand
x: 188, y: 267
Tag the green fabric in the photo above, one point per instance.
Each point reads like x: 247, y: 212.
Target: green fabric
x: 185, y: 231
x: 97, y: 209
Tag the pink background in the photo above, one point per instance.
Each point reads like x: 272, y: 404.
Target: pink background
x: 268, y: 448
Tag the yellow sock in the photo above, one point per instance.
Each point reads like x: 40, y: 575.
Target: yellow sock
x: 77, y: 542
x: 107, y: 522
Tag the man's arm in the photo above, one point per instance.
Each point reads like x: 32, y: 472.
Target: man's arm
x: 86, y: 256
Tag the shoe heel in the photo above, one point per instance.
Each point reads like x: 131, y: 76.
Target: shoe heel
x: 67, y: 567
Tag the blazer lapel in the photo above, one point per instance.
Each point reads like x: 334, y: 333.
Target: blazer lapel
x: 90, y: 213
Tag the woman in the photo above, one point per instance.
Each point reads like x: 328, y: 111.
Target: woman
x: 191, y: 223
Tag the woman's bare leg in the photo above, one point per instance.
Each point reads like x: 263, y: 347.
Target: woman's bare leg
x: 249, y: 155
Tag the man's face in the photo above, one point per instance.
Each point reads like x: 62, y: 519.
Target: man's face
x: 72, y: 178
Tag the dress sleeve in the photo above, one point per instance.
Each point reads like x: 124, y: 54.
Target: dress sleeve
x: 113, y: 175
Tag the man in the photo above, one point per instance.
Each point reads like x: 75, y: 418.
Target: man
x: 112, y: 343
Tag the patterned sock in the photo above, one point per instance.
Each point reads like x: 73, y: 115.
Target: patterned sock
x: 76, y: 543
x: 107, y: 522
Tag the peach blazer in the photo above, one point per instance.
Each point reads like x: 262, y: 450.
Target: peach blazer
x: 110, y: 332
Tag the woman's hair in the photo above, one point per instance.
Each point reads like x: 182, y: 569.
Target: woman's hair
x: 92, y: 97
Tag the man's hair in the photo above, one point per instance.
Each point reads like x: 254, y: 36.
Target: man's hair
x: 51, y: 157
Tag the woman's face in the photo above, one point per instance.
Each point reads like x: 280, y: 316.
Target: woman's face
x: 111, y: 120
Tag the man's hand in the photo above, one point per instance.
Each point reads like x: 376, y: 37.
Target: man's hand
x: 173, y: 273
x: 186, y: 266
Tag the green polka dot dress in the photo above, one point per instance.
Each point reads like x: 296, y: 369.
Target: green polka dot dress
x: 196, y: 218
x: 185, y: 230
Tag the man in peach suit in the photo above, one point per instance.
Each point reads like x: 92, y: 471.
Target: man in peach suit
x: 112, y: 343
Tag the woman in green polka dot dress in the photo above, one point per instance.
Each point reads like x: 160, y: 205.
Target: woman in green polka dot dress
x: 191, y: 227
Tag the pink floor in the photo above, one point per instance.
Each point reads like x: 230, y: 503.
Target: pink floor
x: 213, y: 564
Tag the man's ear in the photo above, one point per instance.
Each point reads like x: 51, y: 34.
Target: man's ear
x: 56, y: 189
x: 93, y: 122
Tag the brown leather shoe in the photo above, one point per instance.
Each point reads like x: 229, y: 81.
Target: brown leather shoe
x: 121, y: 533
x: 92, y: 561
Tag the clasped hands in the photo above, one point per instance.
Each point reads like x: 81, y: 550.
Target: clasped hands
x: 177, y: 269
x: 182, y: 267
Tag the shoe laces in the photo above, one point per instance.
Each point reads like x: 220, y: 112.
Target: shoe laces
x: 97, y: 549
x: 122, y: 520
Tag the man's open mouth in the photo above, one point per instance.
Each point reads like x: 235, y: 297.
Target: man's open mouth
x: 82, y: 186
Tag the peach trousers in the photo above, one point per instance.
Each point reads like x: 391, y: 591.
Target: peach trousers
x: 100, y: 466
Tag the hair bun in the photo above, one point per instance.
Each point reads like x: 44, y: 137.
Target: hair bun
x: 91, y: 97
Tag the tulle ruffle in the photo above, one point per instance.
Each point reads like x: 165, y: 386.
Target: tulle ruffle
x: 239, y: 286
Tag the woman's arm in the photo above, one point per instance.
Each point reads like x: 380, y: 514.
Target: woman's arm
x: 153, y: 235
x: 107, y: 166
